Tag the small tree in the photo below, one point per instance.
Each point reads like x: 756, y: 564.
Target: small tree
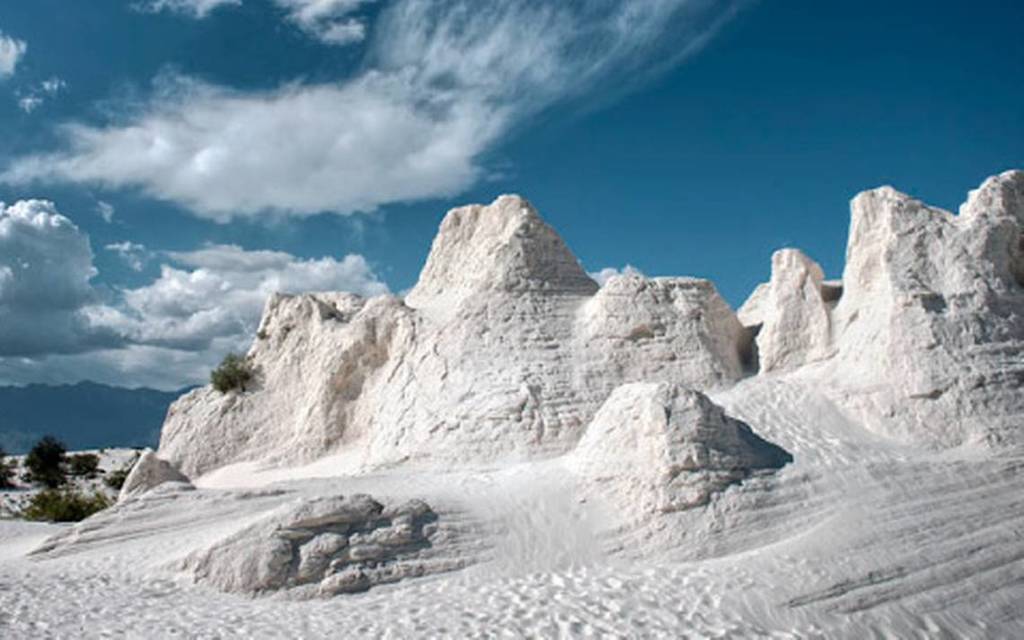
x: 6, y: 471
x: 45, y: 462
x: 84, y: 465
x: 234, y: 372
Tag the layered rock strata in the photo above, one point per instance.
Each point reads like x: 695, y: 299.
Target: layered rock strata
x: 505, y: 348
x: 324, y: 547
x: 926, y: 342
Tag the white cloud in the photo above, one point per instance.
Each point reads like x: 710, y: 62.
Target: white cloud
x: 40, y: 93
x: 443, y: 82
x: 330, y: 21
x: 219, y: 292
x: 30, y: 103
x: 606, y: 274
x: 299, y: 150
x: 45, y: 273
x: 53, y: 86
x: 106, y: 211
x: 193, y: 8
x: 204, y: 302
x: 12, y: 51
x: 133, y: 254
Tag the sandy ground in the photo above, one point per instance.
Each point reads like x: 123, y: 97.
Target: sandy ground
x: 858, y: 538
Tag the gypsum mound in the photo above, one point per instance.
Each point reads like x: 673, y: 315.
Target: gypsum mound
x: 660, y: 448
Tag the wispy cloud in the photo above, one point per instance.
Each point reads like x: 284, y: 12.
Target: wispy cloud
x: 30, y: 103
x: 133, y: 254
x: 193, y: 8
x: 12, y: 50
x: 331, y: 21
x: 443, y: 83
x: 105, y: 211
x: 40, y: 93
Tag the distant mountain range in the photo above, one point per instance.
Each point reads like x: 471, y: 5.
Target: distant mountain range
x: 86, y: 415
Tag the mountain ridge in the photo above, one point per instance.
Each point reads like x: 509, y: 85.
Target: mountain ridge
x: 83, y: 415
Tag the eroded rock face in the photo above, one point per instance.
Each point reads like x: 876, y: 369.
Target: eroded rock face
x: 314, y: 356
x: 933, y: 309
x: 503, y: 248
x: 149, y: 472
x: 927, y: 338
x: 677, y: 329
x: 792, y: 313
x: 660, y: 448
x: 504, y: 349
x: 324, y: 547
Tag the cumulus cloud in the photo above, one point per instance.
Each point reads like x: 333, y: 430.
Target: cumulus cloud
x: 203, y: 303
x: 46, y: 268
x: 12, y: 51
x: 219, y: 292
x: 442, y: 83
x: 606, y: 274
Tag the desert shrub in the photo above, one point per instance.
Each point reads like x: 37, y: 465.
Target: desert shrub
x: 64, y: 505
x: 115, y: 479
x: 6, y: 471
x: 84, y: 465
x: 45, y: 462
x: 232, y: 373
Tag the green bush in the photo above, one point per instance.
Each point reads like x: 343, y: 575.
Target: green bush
x: 6, y: 471
x: 84, y: 465
x: 233, y: 372
x: 64, y: 505
x: 45, y: 462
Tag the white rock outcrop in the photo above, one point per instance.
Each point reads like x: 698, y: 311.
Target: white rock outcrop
x: 501, y: 248
x: 315, y: 357
x: 650, y: 329
x: 326, y: 546
x: 505, y: 348
x: 792, y: 313
x: 149, y: 472
x: 926, y: 342
x: 660, y: 448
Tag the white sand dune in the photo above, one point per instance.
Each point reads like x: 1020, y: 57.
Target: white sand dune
x: 855, y: 539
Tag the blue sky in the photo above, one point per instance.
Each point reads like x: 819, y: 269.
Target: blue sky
x: 201, y: 153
